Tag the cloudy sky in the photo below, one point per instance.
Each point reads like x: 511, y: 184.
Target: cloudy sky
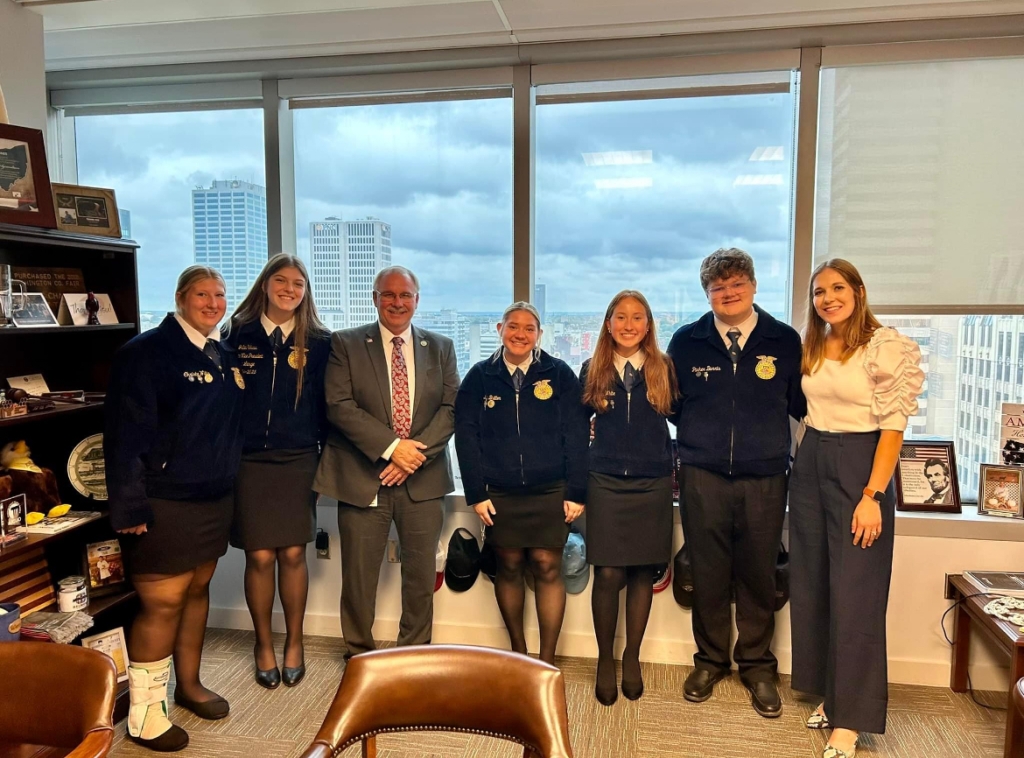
x: 441, y: 175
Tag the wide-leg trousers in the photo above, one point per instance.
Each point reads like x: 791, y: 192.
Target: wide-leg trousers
x: 839, y: 591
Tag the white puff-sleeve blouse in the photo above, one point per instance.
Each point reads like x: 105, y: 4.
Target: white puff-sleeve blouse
x: 877, y: 388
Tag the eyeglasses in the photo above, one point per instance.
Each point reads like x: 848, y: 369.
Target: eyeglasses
x: 736, y: 287
x: 405, y: 297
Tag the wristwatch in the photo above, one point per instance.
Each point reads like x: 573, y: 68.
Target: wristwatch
x: 875, y: 495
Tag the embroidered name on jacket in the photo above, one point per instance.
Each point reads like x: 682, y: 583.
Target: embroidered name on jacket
x: 203, y: 377
x: 704, y: 370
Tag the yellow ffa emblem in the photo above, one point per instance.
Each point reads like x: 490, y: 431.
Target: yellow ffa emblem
x: 542, y: 389
x: 489, y: 400
x: 765, y: 368
x: 296, y: 359
x: 238, y: 378
x: 208, y: 377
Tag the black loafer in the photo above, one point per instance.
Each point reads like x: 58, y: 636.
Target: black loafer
x: 171, y: 741
x: 292, y: 676
x: 700, y: 684
x: 270, y: 678
x: 211, y: 710
x: 764, y: 696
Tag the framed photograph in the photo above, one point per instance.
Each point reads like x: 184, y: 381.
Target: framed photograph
x: 34, y: 311
x: 86, y: 210
x: 999, y: 491
x: 111, y: 643
x: 103, y: 567
x: 926, y: 477
x: 25, y: 194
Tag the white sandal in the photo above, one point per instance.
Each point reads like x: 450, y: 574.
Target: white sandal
x: 818, y: 721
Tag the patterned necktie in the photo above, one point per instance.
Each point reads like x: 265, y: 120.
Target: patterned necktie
x: 517, y: 379
x: 213, y: 354
x: 400, y: 390
x: 628, y: 377
x: 277, y: 338
x: 734, y: 346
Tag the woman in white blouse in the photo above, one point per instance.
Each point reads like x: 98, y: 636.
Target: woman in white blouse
x: 861, y: 381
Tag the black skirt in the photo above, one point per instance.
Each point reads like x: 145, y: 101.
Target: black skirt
x: 275, y: 505
x: 629, y: 520
x: 528, y: 517
x: 184, y: 534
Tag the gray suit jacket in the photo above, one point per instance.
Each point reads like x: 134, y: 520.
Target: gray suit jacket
x: 359, y: 411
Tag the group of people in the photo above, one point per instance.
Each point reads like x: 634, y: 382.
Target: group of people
x: 218, y: 436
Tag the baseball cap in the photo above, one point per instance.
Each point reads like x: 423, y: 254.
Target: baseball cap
x: 682, y: 579
x: 575, y: 569
x: 440, y: 557
x: 463, y: 564
x: 662, y: 577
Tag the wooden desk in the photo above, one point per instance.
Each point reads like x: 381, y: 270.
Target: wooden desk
x: 1006, y: 635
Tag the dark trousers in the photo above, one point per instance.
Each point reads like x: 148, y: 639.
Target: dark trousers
x: 838, y: 591
x: 364, y: 537
x: 733, y: 528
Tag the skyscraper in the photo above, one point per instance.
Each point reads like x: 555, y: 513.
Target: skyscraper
x: 540, y: 300
x: 346, y: 256
x: 327, y: 258
x: 229, y: 233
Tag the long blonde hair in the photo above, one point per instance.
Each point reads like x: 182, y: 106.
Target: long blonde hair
x: 307, y: 321
x: 856, y: 331
x: 659, y: 373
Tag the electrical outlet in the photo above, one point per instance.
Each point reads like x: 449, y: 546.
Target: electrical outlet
x: 394, y: 552
x: 323, y: 545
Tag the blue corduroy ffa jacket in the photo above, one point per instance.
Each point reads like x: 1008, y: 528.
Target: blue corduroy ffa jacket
x: 172, y: 423
x: 539, y: 439
x: 270, y: 418
x: 737, y: 423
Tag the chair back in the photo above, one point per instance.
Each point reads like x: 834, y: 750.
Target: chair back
x: 1018, y: 697
x: 447, y: 688
x: 54, y: 695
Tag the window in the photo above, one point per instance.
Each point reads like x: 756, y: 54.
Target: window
x: 634, y: 193
x: 168, y: 169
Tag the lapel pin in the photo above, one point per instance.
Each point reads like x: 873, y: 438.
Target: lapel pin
x: 369, y: 339
x: 423, y: 343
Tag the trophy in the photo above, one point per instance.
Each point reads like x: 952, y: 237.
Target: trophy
x: 7, y: 287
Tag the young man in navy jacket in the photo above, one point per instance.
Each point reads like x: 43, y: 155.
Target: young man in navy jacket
x: 739, y: 377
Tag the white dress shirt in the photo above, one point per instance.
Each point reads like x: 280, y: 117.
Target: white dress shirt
x: 269, y: 326
x: 194, y: 335
x: 410, y: 365
x: 636, y: 360
x: 525, y: 365
x: 745, y: 329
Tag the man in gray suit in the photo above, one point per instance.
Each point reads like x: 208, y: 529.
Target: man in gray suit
x: 391, y: 403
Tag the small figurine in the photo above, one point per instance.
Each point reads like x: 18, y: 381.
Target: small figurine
x: 92, y: 305
x: 38, y: 484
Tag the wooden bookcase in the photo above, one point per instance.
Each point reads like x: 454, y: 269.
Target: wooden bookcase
x: 70, y: 358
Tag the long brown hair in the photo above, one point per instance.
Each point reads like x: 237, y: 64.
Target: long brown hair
x: 659, y: 374
x: 307, y: 321
x: 856, y: 331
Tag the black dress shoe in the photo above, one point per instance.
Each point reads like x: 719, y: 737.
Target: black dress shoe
x: 171, y: 741
x: 270, y: 678
x: 632, y: 691
x: 700, y: 684
x: 292, y: 676
x: 212, y: 710
x: 764, y: 696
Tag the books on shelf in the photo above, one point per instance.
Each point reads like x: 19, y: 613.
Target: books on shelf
x: 1008, y: 583
x: 69, y: 520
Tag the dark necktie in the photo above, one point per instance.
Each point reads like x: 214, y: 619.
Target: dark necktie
x: 734, y: 344
x: 517, y: 379
x: 629, y: 377
x: 400, y: 390
x: 213, y: 354
x: 277, y: 338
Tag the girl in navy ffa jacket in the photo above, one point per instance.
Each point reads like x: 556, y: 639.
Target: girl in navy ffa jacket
x: 172, y: 444
x: 521, y: 436
x: 283, y: 349
x: 630, y: 386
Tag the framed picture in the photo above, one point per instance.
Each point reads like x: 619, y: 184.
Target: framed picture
x: 926, y: 477
x: 25, y: 194
x: 86, y: 210
x: 103, y: 567
x: 999, y: 491
x: 34, y: 311
x: 111, y: 643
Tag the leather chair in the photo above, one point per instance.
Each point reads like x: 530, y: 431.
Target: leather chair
x: 55, y: 701
x: 1015, y: 722
x: 452, y: 688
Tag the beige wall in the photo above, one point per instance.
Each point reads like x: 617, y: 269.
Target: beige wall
x: 918, y: 654
x: 22, y: 69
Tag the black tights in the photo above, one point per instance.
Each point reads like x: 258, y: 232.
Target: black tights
x: 293, y: 583
x: 510, y: 592
x: 604, y: 600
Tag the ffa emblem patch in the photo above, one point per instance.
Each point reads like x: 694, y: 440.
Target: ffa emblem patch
x: 208, y: 377
x: 238, y: 378
x: 296, y: 359
x: 489, y: 400
x: 542, y: 389
x: 765, y: 368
